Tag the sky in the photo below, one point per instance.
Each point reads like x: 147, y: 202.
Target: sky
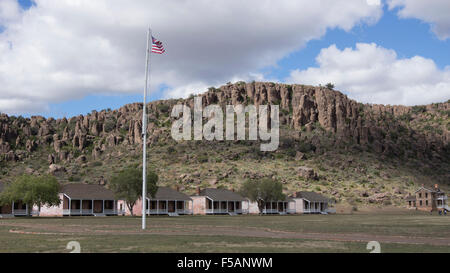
x: 68, y: 57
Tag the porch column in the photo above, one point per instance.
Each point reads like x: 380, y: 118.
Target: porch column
x: 26, y: 209
x: 227, y: 207
x: 157, y: 206
x: 167, y: 206
x: 12, y: 209
x: 81, y: 207
x: 103, y: 206
x: 92, y: 206
x: 70, y: 206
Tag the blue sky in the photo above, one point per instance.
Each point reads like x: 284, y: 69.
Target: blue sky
x: 407, y: 37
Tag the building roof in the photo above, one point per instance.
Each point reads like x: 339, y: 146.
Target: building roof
x: 166, y: 193
x: 311, y: 196
x: 436, y: 189
x: 411, y: 198
x: 221, y: 195
x: 430, y: 190
x: 87, y: 191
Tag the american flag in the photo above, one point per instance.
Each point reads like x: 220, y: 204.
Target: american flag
x: 157, y: 46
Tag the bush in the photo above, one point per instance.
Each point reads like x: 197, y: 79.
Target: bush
x: 96, y: 164
x: 164, y: 108
x: 74, y: 179
x: 171, y: 150
x: 291, y: 152
x: 110, y: 124
x: 419, y: 109
x: 305, y: 147
x: 202, y: 159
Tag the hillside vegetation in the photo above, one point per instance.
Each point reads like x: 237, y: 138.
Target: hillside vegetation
x: 352, y: 152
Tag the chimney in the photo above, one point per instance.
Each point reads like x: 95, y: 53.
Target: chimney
x: 198, y: 190
x: 436, y: 186
x: 295, y: 195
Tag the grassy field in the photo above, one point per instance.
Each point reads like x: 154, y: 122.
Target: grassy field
x: 413, y: 232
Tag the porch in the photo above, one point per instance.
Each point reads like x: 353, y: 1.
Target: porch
x: 81, y: 207
x: 280, y: 207
x: 166, y: 207
x: 441, y: 202
x: 315, y: 207
x: 224, y: 207
x: 17, y: 209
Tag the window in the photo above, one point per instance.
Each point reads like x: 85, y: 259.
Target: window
x: 426, y: 195
x: 410, y: 203
x: 420, y: 195
x: 420, y: 203
x: 426, y: 202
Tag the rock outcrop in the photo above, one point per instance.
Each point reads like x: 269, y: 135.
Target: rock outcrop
x: 390, y: 130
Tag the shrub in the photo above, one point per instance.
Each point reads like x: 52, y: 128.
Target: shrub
x: 418, y: 109
x: 171, y: 150
x: 110, y: 124
x: 164, y: 108
x: 306, y: 147
x: 74, y: 179
x: 96, y: 164
x: 202, y: 159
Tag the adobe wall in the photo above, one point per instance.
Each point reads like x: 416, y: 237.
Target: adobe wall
x: 423, y: 196
x: 253, y: 208
x: 298, y: 205
x: 199, y: 205
x: 52, y: 211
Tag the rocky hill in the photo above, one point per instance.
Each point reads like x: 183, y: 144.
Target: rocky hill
x: 356, y: 153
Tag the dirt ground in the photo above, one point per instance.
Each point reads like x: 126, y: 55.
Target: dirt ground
x: 219, y: 226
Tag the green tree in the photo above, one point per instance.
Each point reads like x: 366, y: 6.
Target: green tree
x: 262, y: 191
x: 127, y: 185
x: 329, y: 86
x: 32, y: 190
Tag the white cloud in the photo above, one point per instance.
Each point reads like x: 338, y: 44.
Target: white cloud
x: 66, y: 49
x: 370, y: 73
x: 9, y: 11
x: 435, y: 12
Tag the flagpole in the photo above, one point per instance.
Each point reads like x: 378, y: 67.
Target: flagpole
x: 144, y: 134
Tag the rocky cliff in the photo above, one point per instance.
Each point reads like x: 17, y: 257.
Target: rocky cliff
x: 314, y: 120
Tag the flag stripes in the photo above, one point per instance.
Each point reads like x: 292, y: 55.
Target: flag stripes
x: 157, y: 46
